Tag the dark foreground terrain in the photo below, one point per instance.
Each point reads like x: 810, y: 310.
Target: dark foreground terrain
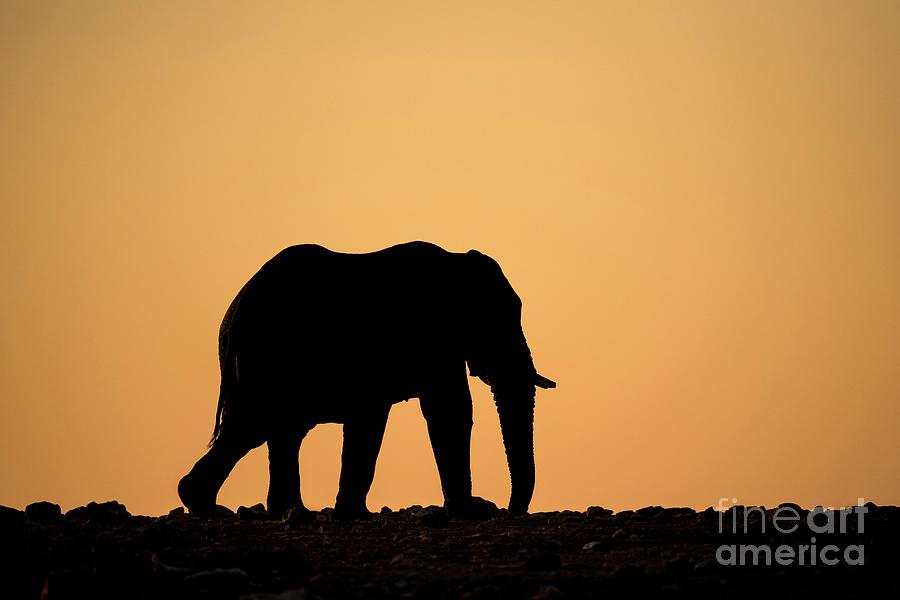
x: 101, y: 551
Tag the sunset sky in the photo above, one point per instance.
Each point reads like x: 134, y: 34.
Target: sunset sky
x: 698, y: 203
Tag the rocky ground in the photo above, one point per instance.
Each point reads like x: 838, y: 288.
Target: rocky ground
x: 100, y: 551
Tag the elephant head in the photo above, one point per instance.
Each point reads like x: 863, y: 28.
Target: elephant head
x: 497, y: 353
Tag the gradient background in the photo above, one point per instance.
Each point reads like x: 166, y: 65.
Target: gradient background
x: 697, y: 201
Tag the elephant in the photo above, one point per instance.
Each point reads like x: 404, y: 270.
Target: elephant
x: 318, y: 336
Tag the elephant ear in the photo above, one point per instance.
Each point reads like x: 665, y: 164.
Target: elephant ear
x: 487, y: 302
x: 493, y: 291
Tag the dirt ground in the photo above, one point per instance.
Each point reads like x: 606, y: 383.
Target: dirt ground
x: 101, y: 551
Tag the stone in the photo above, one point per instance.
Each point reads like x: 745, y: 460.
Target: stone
x: 548, y: 592
x: 161, y: 567
x: 298, y: 517
x: 705, y: 566
x: 649, y: 511
x: 223, y: 512
x: 43, y: 511
x: 590, y: 546
x: 257, y: 512
x: 386, y: 510
x: 10, y: 516
x: 598, y: 511
x: 433, y: 516
x: 104, y: 512
x: 219, y: 581
x: 671, y: 514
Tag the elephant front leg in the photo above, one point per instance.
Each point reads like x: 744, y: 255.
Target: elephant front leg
x: 448, y: 413
x: 284, y: 473
x: 363, y: 433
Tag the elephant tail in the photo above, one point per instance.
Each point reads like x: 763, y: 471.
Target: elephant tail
x: 227, y: 360
x: 229, y: 379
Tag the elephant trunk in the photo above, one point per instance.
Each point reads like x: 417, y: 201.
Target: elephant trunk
x: 516, y: 412
x: 513, y: 386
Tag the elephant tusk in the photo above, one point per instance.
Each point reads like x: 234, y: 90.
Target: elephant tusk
x: 543, y: 382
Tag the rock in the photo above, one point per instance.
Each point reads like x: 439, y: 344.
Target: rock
x: 670, y: 514
x: 554, y: 520
x: 649, y: 511
x: 790, y: 505
x: 223, y: 512
x: 105, y: 512
x: 618, y: 533
x: 704, y: 566
x: 176, y: 513
x: 433, y: 516
x: 161, y: 567
x: 708, y: 516
x: 590, y: 546
x: 43, y: 511
x: 298, y: 517
x: 408, y: 558
x: 548, y: 592
x: 219, y: 581
x: 598, y: 511
x: 10, y: 516
x: 257, y: 512
x: 543, y: 562
x: 386, y: 510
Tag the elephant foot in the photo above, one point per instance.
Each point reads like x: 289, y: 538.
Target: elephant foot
x: 473, y: 508
x: 197, y: 497
x: 298, y: 516
x: 282, y: 511
x: 348, y: 512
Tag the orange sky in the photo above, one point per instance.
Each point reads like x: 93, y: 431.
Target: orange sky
x: 697, y: 202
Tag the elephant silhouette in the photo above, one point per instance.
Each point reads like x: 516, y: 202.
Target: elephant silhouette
x: 317, y: 336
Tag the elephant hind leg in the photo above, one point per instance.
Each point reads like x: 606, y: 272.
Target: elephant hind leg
x: 199, y: 488
x: 363, y: 433
x: 284, y: 472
